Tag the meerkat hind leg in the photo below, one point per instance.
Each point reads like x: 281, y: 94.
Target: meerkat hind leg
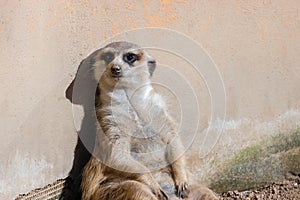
x: 126, y: 190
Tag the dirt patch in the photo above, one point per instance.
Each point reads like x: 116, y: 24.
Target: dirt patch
x: 288, y: 189
x: 284, y: 190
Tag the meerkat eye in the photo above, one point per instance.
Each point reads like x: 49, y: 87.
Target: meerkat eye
x: 130, y: 58
x: 107, y: 57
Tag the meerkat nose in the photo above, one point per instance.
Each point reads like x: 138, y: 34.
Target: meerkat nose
x: 116, y: 70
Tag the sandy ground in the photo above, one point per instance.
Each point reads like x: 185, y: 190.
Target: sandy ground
x: 284, y: 190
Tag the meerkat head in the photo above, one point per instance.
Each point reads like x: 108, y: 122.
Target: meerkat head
x: 125, y: 63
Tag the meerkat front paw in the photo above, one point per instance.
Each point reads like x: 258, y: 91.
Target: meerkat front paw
x: 182, y: 188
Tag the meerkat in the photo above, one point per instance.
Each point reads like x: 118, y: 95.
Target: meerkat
x: 139, y: 154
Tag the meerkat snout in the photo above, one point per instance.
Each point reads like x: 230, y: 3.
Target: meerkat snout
x: 116, y: 70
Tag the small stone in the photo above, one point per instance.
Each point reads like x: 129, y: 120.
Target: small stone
x: 236, y: 192
x: 295, y: 185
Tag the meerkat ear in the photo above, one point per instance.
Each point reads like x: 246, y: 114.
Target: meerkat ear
x: 151, y: 65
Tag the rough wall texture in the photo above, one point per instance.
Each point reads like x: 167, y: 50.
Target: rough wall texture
x: 256, y: 46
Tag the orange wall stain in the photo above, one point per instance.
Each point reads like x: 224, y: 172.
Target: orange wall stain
x: 31, y: 24
x: 69, y: 7
x: 128, y: 5
x: 165, y: 5
x: 115, y: 29
x: 166, y: 13
x: 182, y: 1
x: 84, y: 1
x: 161, y: 13
x: 133, y: 26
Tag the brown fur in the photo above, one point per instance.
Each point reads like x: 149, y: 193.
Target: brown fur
x: 134, y: 122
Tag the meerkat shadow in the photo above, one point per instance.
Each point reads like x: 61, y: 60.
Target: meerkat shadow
x: 85, y: 93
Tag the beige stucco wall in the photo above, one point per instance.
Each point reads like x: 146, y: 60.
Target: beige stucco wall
x: 256, y: 46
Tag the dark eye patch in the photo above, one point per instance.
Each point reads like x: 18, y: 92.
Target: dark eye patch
x: 130, y: 58
x: 107, y: 57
